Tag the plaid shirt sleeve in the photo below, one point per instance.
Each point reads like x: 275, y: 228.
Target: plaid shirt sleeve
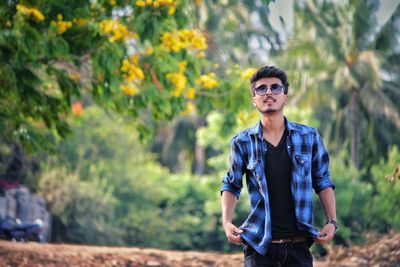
x: 320, y: 166
x: 232, y: 181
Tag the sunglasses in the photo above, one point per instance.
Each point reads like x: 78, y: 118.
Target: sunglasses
x: 276, y: 89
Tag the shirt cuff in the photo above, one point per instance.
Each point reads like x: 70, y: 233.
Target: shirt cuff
x: 229, y: 188
x: 323, y: 184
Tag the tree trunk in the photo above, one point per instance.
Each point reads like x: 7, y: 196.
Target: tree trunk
x: 355, y: 133
x: 199, y: 155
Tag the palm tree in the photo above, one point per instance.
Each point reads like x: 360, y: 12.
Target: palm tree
x: 346, y: 66
x: 239, y: 31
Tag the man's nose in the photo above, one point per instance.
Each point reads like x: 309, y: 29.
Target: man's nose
x: 269, y: 91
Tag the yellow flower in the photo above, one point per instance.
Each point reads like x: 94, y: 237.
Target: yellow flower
x: 247, y: 73
x: 134, y: 35
x: 61, y: 25
x: 207, y: 81
x: 183, y: 39
x: 171, y: 10
x: 32, y: 12
x: 201, y: 54
x: 182, y: 66
x: 149, y: 51
x: 80, y: 22
x: 140, y: 3
x: 189, y: 108
x: 115, y: 28
x: 131, y: 71
x: 171, y: 41
x: 242, y: 116
x: 159, y: 3
x: 113, y: 2
x: 37, y: 14
x: 134, y: 59
x: 129, y: 89
x: 191, y: 92
x: 253, y: 115
x: 246, y: 119
x: 199, y: 41
x: 125, y: 65
x: 198, y: 2
x: 179, y: 81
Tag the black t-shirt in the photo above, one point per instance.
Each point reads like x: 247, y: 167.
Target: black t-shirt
x: 278, y: 170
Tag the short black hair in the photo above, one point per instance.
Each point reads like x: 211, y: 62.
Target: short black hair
x: 269, y: 72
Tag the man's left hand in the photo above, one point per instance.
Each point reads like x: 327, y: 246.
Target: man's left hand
x: 326, y: 234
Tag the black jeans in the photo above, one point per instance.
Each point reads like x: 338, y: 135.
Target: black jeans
x: 284, y: 254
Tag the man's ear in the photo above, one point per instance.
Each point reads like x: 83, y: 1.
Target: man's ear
x: 286, y: 99
x: 254, y: 101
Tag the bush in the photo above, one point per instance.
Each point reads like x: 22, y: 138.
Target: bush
x: 385, y: 210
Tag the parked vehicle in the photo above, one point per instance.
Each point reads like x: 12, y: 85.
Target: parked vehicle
x: 15, y: 230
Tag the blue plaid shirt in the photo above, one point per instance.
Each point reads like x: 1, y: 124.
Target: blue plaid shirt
x: 310, y: 170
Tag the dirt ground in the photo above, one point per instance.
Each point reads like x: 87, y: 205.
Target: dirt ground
x: 384, y: 252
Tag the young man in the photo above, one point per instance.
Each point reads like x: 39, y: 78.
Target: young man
x: 283, y: 161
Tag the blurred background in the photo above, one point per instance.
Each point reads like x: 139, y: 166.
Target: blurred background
x: 116, y: 115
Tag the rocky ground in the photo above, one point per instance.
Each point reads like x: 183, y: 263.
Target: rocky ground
x: 381, y: 252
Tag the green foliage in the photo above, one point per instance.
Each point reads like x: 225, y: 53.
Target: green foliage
x: 105, y: 195
x: 352, y: 200
x: 364, y: 206
x: 385, y: 210
x: 336, y: 59
x: 105, y: 188
x: 116, y: 53
x: 85, y: 208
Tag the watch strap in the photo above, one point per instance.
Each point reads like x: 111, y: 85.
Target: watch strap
x: 332, y: 221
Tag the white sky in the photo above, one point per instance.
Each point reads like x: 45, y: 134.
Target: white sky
x: 284, y: 8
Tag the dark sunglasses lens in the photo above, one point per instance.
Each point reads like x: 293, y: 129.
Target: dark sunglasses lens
x: 276, y: 88
x: 261, y: 90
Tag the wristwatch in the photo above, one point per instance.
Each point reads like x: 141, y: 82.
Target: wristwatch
x: 332, y: 221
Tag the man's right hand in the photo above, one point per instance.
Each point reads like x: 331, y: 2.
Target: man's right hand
x: 233, y: 233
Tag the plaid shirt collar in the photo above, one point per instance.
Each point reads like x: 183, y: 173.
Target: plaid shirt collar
x: 257, y: 129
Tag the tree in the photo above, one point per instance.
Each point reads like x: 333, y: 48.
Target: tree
x: 345, y: 65
x: 140, y: 58
x: 240, y: 31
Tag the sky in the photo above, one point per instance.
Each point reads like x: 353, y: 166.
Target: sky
x: 284, y: 8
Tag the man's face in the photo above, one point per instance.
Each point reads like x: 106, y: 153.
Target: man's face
x: 269, y: 102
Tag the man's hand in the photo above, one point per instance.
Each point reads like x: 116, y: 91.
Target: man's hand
x: 326, y: 234
x: 233, y: 233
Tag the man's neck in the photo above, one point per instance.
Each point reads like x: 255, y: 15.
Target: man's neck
x: 273, y: 124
